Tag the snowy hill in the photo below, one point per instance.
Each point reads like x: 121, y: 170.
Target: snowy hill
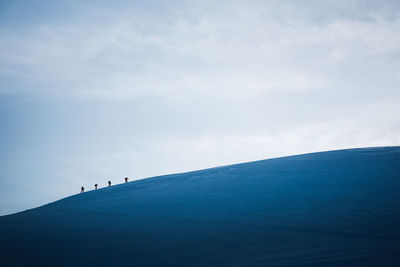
x: 332, y: 208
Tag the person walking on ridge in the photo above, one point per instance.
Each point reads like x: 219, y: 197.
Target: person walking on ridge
x: 95, y: 187
x: 126, y: 179
x: 109, y: 183
x: 82, y: 189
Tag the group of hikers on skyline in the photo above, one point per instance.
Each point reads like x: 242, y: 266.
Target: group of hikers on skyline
x: 96, y: 185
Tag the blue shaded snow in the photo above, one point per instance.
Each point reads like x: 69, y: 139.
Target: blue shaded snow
x: 337, y: 208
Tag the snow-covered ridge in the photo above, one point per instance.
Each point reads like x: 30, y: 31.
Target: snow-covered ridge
x: 330, y: 208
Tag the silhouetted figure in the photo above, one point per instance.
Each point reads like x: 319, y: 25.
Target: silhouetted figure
x: 95, y: 187
x: 82, y: 189
x: 126, y: 179
x: 109, y: 183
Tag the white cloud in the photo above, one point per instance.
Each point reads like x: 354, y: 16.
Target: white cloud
x: 203, y: 50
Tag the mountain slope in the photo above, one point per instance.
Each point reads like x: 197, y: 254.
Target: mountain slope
x: 331, y: 208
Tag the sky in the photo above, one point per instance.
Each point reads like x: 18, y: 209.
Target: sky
x: 92, y: 91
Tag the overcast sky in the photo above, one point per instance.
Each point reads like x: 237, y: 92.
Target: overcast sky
x: 99, y: 90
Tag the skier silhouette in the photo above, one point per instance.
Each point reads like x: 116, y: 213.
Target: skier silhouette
x: 109, y: 183
x: 82, y: 189
x: 95, y: 187
x: 126, y: 179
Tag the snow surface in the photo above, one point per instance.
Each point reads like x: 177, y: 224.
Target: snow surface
x: 332, y: 208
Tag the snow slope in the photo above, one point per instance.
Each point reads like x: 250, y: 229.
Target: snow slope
x: 334, y: 208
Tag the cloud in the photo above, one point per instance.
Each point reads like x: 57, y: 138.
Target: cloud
x: 209, y: 50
